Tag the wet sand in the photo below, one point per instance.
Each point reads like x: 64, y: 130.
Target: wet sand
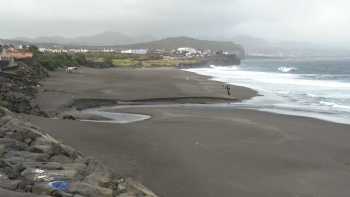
x: 205, y: 152
x: 130, y: 84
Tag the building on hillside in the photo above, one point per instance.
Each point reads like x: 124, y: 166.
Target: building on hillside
x: 187, y: 51
x: 95, y: 50
x: 135, y: 51
x: 168, y: 58
x: 105, y: 50
x: 27, y: 58
x: 139, y: 51
x: 5, y: 59
x: 3, y: 53
x: 43, y: 50
x: 56, y: 50
x: 127, y: 51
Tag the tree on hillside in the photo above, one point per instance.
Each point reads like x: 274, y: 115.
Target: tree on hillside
x: 80, y: 58
x: 33, y: 49
x: 109, y: 61
x: 24, y: 47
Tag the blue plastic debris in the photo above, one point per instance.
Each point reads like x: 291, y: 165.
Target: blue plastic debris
x: 61, y: 185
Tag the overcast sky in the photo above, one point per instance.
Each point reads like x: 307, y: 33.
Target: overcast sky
x: 316, y: 21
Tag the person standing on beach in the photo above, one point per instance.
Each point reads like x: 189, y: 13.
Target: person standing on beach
x: 228, y: 90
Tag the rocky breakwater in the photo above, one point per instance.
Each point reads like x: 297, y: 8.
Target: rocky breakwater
x: 19, y: 87
x: 33, y: 163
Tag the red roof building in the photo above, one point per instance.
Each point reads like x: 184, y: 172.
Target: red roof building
x: 20, y: 55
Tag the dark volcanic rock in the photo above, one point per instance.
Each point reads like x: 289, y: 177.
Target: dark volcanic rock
x: 60, y: 159
x: 44, y: 165
x: 4, y: 163
x: 68, y: 117
x: 14, y: 174
x: 9, y: 144
x: 17, y: 89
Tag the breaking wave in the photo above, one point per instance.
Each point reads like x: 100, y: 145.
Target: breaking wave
x: 287, y: 69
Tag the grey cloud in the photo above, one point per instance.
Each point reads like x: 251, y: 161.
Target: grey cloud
x: 323, y: 21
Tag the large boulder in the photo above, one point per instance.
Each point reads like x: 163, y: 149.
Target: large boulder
x: 39, y: 188
x: 24, y: 155
x: 99, y: 174
x: 9, y: 193
x: 133, y: 186
x: 9, y: 144
x: 75, y: 166
x: 85, y: 189
x: 16, y: 160
x: 61, y: 159
x: 43, y: 165
x: 6, y: 183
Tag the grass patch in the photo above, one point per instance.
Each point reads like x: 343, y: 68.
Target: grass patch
x: 41, y: 89
x: 8, y: 84
x: 124, y: 62
x: 167, y: 62
x: 95, y: 59
x: 4, y: 103
x: 34, y: 111
x: 10, y: 71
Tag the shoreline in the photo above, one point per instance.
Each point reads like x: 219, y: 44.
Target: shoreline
x: 272, y: 98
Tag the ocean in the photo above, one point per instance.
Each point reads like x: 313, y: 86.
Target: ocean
x: 315, y: 86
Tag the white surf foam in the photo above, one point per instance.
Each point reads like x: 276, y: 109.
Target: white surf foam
x: 302, y: 93
x: 287, y: 69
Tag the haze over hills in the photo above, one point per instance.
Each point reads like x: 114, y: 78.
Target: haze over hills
x: 107, y: 38
x: 177, y: 42
x: 112, y: 38
x: 250, y: 43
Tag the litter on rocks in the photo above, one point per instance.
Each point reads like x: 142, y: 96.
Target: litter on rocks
x: 39, y: 171
x: 61, y: 185
x: 45, y: 177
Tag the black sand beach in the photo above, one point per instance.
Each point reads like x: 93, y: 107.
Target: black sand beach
x: 199, y: 152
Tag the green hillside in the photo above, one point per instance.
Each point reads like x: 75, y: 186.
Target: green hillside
x: 174, y: 43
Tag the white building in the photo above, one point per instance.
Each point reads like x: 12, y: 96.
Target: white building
x: 189, y: 51
x: 3, y: 54
x: 56, y: 50
x: 135, y: 51
x: 139, y: 51
x: 43, y: 50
